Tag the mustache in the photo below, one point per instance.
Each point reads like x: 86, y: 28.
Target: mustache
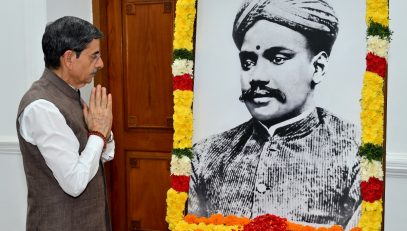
x: 95, y: 71
x: 262, y: 91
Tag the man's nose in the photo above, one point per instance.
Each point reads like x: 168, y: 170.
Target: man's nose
x: 99, y: 63
x: 261, y: 73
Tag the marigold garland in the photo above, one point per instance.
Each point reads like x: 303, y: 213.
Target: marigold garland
x: 182, y: 152
x: 372, y: 104
x: 376, y: 64
x: 378, y: 29
x: 182, y: 54
x: 175, y: 207
x: 184, y: 24
x: 371, y: 168
x: 184, y: 226
x: 181, y: 166
x: 180, y: 183
x: 371, y: 150
x: 183, y: 82
x: 218, y: 219
x: 377, y: 11
x: 182, y: 119
x: 267, y: 222
x: 182, y: 66
x: 378, y: 46
x: 372, y: 115
x: 299, y: 227
x: 371, y: 219
x: 372, y: 189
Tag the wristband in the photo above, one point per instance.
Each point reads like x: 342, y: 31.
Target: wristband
x: 96, y: 133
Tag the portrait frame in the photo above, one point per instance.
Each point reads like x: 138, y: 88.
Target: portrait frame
x: 372, y: 150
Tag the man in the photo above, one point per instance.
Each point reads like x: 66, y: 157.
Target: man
x: 292, y: 159
x: 62, y: 140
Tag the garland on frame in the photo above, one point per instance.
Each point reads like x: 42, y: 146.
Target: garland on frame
x: 372, y: 115
x: 371, y: 150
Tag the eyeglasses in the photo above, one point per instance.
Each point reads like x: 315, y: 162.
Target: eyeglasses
x: 95, y: 57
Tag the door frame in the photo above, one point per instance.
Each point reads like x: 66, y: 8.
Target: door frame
x: 115, y: 176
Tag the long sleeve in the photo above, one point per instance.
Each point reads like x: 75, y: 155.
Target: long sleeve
x: 42, y: 124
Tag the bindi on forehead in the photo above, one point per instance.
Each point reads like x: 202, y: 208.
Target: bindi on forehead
x: 258, y: 47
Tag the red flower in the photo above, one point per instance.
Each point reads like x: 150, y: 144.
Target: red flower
x: 182, y: 82
x: 371, y: 190
x: 376, y: 64
x: 267, y: 222
x: 180, y: 183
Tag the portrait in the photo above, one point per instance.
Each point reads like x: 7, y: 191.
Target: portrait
x: 276, y: 110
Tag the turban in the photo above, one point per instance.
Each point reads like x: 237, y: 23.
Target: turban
x: 305, y: 16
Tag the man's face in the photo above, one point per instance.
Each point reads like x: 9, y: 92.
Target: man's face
x: 87, y: 64
x: 277, y: 71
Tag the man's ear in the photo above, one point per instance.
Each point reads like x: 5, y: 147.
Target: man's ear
x: 67, y: 58
x: 320, y: 62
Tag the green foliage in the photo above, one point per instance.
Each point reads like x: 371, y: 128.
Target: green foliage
x: 371, y: 151
x: 378, y: 29
x: 182, y: 54
x: 183, y: 152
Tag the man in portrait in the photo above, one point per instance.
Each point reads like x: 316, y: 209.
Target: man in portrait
x: 292, y: 158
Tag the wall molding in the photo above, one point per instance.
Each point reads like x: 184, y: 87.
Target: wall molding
x: 396, y: 163
x: 9, y: 148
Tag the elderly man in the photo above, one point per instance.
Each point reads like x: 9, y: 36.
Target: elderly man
x: 63, y: 141
x: 292, y: 159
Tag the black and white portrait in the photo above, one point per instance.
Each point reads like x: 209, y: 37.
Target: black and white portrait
x: 276, y: 110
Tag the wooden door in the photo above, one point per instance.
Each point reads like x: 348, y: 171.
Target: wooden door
x: 137, y: 51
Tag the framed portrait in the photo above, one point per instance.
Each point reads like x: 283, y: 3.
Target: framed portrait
x: 278, y: 115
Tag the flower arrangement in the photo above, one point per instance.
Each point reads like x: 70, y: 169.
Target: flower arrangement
x: 372, y: 115
x: 371, y: 150
x: 182, y: 69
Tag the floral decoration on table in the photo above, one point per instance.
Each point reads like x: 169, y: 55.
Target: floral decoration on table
x: 371, y: 150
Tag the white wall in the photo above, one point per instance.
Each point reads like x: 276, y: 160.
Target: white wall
x: 396, y: 180
x: 20, y: 63
x: 22, y: 24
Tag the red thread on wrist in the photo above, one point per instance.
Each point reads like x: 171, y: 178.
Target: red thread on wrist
x: 96, y: 133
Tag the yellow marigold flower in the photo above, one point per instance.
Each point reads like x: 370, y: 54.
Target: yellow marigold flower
x: 183, y: 98
x: 371, y: 218
x: 182, y: 119
x: 184, y: 226
x: 377, y: 11
x: 184, y: 24
x: 372, y: 104
x: 175, y: 207
x: 181, y: 141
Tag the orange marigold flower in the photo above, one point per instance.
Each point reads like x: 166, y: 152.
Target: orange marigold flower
x: 216, y: 219
x: 298, y: 227
x: 202, y: 220
x: 235, y: 220
x: 336, y: 228
x: 356, y: 229
x: 191, y: 218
